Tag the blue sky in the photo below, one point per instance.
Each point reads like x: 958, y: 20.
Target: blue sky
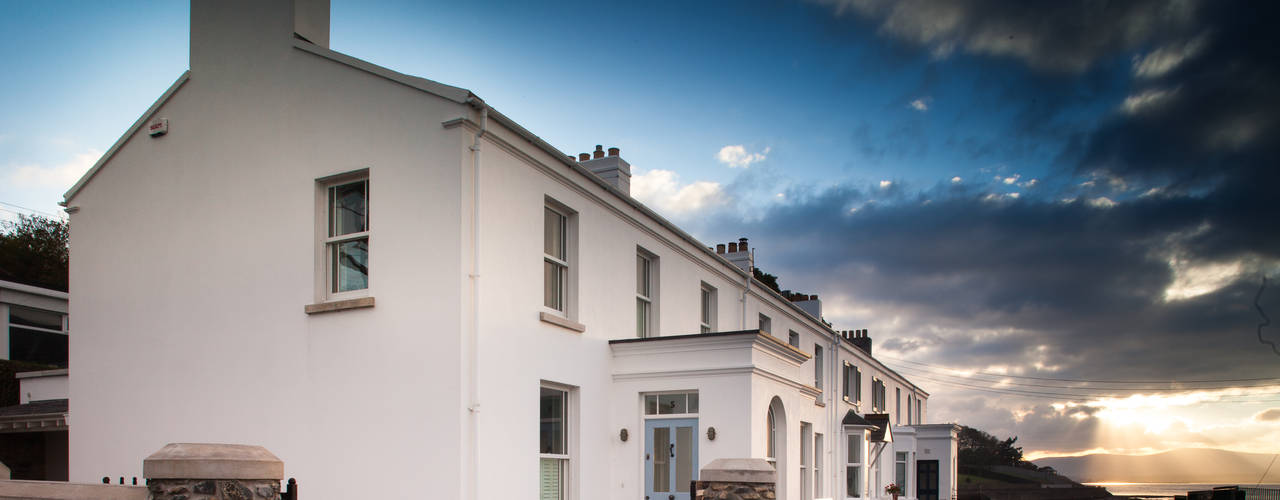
x: 996, y: 189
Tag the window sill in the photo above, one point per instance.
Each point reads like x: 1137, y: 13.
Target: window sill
x: 339, y: 305
x: 562, y: 322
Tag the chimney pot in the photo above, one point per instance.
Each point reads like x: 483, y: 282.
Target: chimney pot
x: 614, y: 151
x: 584, y: 156
x: 720, y: 248
x: 733, y: 248
x: 599, y: 152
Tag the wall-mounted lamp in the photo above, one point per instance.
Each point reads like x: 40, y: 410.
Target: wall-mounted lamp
x: 711, y: 433
x: 623, y: 434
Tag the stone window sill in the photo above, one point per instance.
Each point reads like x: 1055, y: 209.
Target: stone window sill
x: 562, y: 322
x: 339, y: 305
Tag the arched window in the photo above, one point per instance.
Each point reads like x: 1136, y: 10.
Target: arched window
x: 769, y: 432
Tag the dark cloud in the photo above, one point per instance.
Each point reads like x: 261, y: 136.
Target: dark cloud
x: 1170, y: 186
x: 1211, y: 114
x: 1055, y: 36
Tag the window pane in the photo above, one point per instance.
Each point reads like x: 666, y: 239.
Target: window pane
x: 651, y: 405
x: 768, y: 434
x: 19, y: 315
x: 851, y: 486
x: 693, y: 402
x: 642, y: 317
x: 350, y: 265
x: 554, y: 234
x: 706, y: 306
x: 349, y: 206
x: 684, y: 458
x: 900, y: 472
x: 551, y: 422
x: 551, y: 479
x: 672, y: 403
x: 553, y: 285
x: 37, y: 347
x: 661, y: 459
x: 855, y: 449
x: 642, y: 276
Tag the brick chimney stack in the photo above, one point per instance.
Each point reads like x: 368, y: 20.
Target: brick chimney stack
x: 611, y: 167
x: 738, y: 253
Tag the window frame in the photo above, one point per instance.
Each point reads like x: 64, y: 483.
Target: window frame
x: 770, y: 444
x: 766, y: 324
x: 793, y: 338
x: 650, y: 275
x: 897, y: 405
x: 327, y: 242
x: 817, y: 366
x: 902, y: 458
x: 707, y: 308
x: 568, y: 290
x: 569, y: 425
x: 856, y: 466
x: 817, y: 464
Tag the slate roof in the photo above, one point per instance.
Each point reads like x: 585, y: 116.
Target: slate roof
x: 852, y: 418
x: 46, y: 407
x: 881, y: 432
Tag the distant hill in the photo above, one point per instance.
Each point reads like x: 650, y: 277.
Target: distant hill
x: 1178, y: 466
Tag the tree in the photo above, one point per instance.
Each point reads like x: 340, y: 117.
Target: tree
x: 977, y: 448
x: 34, y: 251
x: 769, y: 280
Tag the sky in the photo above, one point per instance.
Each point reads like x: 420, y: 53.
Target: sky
x: 1055, y: 217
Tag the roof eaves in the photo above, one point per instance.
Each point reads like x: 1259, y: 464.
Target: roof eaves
x: 71, y: 193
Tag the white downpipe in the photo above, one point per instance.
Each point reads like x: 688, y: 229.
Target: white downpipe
x: 746, y: 287
x: 473, y: 342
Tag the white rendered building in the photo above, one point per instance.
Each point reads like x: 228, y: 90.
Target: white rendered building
x: 374, y: 275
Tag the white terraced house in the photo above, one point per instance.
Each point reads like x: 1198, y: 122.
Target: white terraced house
x: 377, y: 276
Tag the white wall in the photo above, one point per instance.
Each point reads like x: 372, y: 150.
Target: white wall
x: 193, y: 257
x: 42, y: 386
x: 195, y: 253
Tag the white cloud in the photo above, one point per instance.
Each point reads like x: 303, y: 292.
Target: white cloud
x: 1011, y: 179
x: 662, y: 190
x: 920, y: 104
x: 885, y: 184
x: 956, y: 180
x: 1196, y: 279
x: 1030, y: 183
x: 736, y: 156
x: 61, y: 176
x: 1101, y: 202
x: 1146, y: 100
x: 1165, y: 59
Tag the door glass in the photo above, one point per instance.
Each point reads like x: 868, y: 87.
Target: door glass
x: 684, y: 458
x: 661, y: 459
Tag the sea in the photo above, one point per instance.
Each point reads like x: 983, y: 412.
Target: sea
x: 1168, y: 490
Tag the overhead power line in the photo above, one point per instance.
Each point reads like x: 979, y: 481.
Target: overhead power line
x: 1078, y: 386
x: 28, y: 209
x: 915, y: 373
x: 1092, y: 381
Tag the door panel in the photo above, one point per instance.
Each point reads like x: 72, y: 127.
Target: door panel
x: 670, y: 458
x: 927, y: 479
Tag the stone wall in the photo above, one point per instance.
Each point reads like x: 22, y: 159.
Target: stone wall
x: 179, y: 471
x: 209, y: 489
x: 736, y: 479
x: 718, y: 490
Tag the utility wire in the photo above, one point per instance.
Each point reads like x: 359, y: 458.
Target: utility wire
x: 1092, y: 381
x: 1135, y: 389
x: 1052, y: 395
x: 32, y: 210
